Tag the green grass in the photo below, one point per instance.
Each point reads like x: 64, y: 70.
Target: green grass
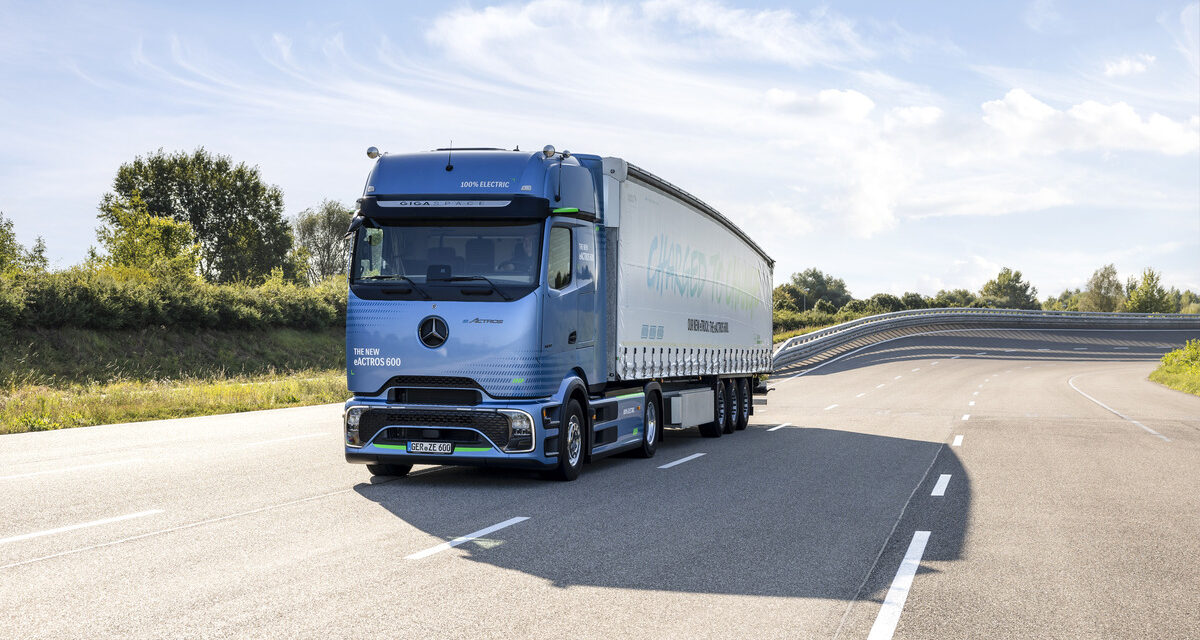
x: 1180, y: 369
x: 53, y: 379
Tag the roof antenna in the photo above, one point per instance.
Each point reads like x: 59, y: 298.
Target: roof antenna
x: 517, y: 148
x: 449, y: 157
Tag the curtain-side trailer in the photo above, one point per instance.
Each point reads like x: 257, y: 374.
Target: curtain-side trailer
x: 539, y: 310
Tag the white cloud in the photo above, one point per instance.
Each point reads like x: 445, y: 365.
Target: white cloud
x: 1128, y: 65
x: 1042, y: 16
x: 844, y: 105
x: 1028, y: 124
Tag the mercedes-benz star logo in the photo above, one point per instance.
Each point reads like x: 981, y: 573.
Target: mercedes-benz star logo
x: 433, y: 332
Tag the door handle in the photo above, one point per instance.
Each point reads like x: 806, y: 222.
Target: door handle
x: 571, y: 338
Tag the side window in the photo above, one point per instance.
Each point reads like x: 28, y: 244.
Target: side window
x: 558, y: 262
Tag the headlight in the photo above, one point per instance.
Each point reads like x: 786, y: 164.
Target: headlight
x: 353, y: 414
x: 520, y: 431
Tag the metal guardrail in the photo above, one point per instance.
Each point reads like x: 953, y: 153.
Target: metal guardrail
x: 877, y: 328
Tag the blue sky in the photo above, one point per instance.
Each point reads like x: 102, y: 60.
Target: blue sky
x: 900, y: 146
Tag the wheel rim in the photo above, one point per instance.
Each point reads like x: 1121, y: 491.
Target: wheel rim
x: 746, y: 400
x: 651, y: 423
x: 733, y: 408
x: 574, y: 440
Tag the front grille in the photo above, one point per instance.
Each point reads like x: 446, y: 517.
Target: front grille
x: 443, y: 396
x: 432, y: 381
x: 491, y: 424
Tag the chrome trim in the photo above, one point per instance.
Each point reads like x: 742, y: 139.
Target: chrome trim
x: 442, y: 407
x: 532, y: 430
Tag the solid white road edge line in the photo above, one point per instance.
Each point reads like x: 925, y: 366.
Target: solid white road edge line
x: 67, y: 469
x: 880, y: 386
x: 861, y: 394
x: 893, y: 604
x: 307, y: 435
x: 1071, y: 382
x: 939, y: 489
x: 467, y: 538
x: 957, y: 441
x: 966, y: 416
x: 832, y: 406
x: 681, y: 461
x: 82, y: 525
x: 173, y: 529
x: 774, y: 428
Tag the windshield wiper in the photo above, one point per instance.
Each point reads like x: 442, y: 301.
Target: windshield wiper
x: 485, y: 279
x: 400, y: 277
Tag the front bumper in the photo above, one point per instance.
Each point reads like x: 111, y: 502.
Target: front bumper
x: 385, y: 431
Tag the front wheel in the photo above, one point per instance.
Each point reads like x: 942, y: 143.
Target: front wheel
x: 651, y: 428
x: 570, y: 443
x: 397, y: 470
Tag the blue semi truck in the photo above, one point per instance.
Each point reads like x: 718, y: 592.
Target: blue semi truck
x: 539, y: 310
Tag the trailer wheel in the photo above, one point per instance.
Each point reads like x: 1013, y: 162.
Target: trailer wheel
x: 651, y: 428
x: 715, y: 428
x: 570, y: 443
x: 743, y: 399
x: 397, y: 470
x: 733, y: 407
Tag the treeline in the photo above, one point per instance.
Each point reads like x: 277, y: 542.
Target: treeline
x: 813, y: 298
x: 187, y: 240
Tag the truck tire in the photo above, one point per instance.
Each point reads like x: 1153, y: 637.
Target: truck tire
x: 397, y: 470
x: 744, y: 399
x: 651, y: 427
x: 570, y: 443
x: 715, y: 428
x: 733, y: 408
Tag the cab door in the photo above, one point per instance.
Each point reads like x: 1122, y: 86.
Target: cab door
x: 560, y: 310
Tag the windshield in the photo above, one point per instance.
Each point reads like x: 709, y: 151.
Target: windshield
x: 494, y: 253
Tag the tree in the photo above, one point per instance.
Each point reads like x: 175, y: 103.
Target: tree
x: 886, y: 302
x: 825, y: 306
x: 14, y: 256
x: 915, y: 301
x: 236, y: 217
x: 135, y: 238
x: 953, y: 298
x: 1148, y: 295
x: 811, y: 285
x: 1009, y: 291
x: 321, y: 232
x: 1068, y: 300
x: 1103, y: 291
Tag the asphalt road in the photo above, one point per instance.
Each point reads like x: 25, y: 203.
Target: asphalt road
x: 1057, y: 515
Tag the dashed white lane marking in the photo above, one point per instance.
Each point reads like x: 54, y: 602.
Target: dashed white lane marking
x: 939, y: 489
x: 974, y: 393
x: 67, y: 469
x: 1026, y: 367
x: 893, y: 604
x: 957, y: 441
x: 980, y: 386
x: 832, y: 406
x: 981, y: 353
x: 179, y: 528
x: 897, y: 377
x: 880, y: 386
x: 861, y: 395
x: 955, y: 357
x: 971, y: 403
x: 775, y: 428
x: 1078, y: 348
x: 933, y: 363
x: 301, y: 437
x: 916, y: 370
x: 83, y: 525
x: 1114, y: 411
x: 966, y: 416
x: 467, y: 538
x: 1043, y: 349
x: 682, y: 460
x: 1121, y: 348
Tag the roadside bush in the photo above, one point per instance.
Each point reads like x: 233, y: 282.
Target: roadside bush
x: 125, y: 298
x: 1180, y: 369
x: 12, y: 303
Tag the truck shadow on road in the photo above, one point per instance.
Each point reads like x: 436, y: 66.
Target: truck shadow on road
x: 799, y: 512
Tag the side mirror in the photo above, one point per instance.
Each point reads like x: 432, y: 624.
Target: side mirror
x: 354, y: 226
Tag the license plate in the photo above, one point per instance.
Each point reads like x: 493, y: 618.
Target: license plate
x: 431, y: 447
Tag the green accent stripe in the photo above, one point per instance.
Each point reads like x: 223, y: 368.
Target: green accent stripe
x: 628, y: 395
x: 456, y: 449
x: 566, y: 210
